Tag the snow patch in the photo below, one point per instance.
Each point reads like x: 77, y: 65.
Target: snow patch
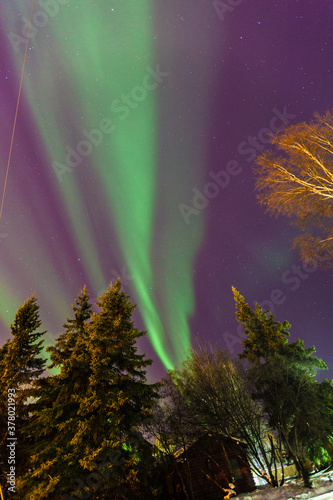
x: 294, y: 490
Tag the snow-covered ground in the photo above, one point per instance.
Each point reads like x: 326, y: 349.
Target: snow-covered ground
x: 294, y: 490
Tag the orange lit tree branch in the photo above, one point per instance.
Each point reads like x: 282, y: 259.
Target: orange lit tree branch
x: 295, y: 178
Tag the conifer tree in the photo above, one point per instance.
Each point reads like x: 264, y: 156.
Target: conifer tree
x: 119, y: 399
x: 21, y: 366
x: 264, y: 336
x: 324, y: 413
x: 3, y: 417
x: 87, y: 419
x: 282, y: 377
x: 56, y: 413
x: 22, y: 363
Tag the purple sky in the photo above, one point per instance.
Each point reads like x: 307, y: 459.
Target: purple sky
x: 265, y: 55
x: 232, y: 75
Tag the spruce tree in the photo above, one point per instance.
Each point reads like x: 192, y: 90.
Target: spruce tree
x: 3, y: 418
x: 22, y: 363
x: 21, y: 366
x: 264, y: 336
x: 53, y: 461
x: 87, y: 420
x: 119, y: 399
x: 282, y: 376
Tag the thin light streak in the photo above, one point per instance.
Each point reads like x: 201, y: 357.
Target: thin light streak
x: 16, y: 111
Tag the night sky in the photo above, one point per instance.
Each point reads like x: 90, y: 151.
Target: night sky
x: 138, y: 127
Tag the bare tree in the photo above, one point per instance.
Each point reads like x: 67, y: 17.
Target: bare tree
x: 295, y: 178
x: 216, y: 394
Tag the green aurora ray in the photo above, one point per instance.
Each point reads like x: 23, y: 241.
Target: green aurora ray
x: 82, y: 63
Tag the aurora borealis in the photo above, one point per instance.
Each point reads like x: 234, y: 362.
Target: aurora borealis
x: 129, y: 108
